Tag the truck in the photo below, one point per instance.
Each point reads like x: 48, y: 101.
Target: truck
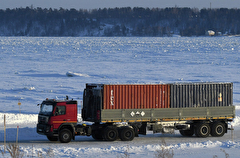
x: 123, y: 111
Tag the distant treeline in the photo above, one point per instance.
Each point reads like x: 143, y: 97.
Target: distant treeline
x: 125, y: 21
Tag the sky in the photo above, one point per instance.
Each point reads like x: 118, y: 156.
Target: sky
x: 95, y: 4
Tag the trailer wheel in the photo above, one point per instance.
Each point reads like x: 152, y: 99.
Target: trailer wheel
x: 65, y: 136
x: 97, y: 135
x: 218, y: 129
x: 126, y: 134
x: 110, y: 133
x: 186, y: 133
x: 52, y: 138
x: 202, y: 130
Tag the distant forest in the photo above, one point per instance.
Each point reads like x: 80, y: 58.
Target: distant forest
x: 125, y: 21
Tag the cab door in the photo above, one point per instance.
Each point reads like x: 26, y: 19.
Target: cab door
x: 59, y: 115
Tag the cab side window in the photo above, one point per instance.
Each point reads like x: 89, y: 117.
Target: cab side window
x: 60, y: 110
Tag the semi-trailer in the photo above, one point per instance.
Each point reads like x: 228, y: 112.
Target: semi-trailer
x: 123, y: 111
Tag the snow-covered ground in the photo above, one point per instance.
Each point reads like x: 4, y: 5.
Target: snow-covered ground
x: 33, y: 69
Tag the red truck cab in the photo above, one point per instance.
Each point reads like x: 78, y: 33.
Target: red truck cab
x: 56, y: 115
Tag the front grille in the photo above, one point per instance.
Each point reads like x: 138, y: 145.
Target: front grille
x: 42, y: 119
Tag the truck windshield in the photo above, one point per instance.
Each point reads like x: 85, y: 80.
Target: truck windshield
x: 46, y: 109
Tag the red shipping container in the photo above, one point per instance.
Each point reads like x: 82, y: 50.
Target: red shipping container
x: 143, y: 96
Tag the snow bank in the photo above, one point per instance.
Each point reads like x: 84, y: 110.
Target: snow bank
x: 237, y: 107
x: 236, y: 121
x: 73, y: 74
x: 19, y: 119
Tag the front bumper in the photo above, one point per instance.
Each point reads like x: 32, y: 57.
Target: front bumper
x: 44, y: 129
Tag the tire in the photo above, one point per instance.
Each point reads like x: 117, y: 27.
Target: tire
x: 110, y: 133
x: 186, y: 133
x: 202, y: 130
x: 127, y: 134
x: 97, y: 135
x: 218, y: 129
x: 52, y: 138
x: 65, y: 136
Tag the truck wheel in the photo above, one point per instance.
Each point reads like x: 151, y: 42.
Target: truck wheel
x: 126, y: 134
x: 186, y: 133
x: 202, y: 130
x: 110, y: 133
x: 97, y: 135
x: 52, y: 138
x: 218, y: 129
x: 65, y: 136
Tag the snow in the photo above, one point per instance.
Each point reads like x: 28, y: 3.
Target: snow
x: 35, y: 68
x: 73, y: 74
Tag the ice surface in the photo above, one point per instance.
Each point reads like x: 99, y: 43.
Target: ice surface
x: 35, y: 68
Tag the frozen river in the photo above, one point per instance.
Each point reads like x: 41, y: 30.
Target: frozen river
x: 35, y: 68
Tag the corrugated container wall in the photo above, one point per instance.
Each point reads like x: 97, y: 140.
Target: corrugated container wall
x: 136, y: 96
x: 201, y: 95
